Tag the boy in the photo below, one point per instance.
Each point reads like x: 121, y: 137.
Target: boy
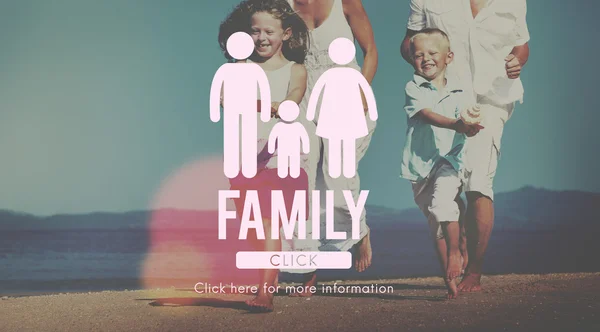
x: 433, y: 155
x: 491, y: 41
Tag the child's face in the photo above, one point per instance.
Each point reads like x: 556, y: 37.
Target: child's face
x: 268, y: 34
x: 431, y: 56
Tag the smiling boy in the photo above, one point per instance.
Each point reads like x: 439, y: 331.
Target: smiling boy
x: 433, y: 155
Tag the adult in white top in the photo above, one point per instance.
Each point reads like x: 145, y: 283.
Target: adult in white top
x: 489, y: 39
x: 327, y: 20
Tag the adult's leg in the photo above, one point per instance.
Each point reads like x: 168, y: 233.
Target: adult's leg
x: 361, y: 249
x: 483, y: 153
x: 364, y: 253
x: 462, y: 243
x: 479, y: 224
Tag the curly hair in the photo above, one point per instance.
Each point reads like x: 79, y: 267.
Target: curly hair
x: 294, y: 49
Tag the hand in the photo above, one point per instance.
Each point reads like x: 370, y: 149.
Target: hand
x: 473, y: 130
x: 513, y: 66
x: 275, y: 109
x: 470, y: 130
x: 460, y: 126
x: 274, y: 113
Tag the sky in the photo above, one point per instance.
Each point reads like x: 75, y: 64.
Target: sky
x: 101, y: 101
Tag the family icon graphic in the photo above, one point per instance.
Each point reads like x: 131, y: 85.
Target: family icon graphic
x: 238, y: 83
x: 341, y: 116
x: 291, y: 138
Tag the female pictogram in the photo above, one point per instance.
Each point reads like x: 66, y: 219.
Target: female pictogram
x: 342, y: 116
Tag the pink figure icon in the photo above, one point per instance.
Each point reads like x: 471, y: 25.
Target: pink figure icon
x: 292, y: 139
x: 238, y: 82
x: 341, y: 116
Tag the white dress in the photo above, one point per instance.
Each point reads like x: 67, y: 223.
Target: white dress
x: 317, y: 62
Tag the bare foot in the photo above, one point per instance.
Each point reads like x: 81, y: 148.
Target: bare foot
x: 311, y: 281
x: 454, y: 266
x: 471, y: 282
x: 363, y: 253
x: 261, y: 303
x: 452, y: 290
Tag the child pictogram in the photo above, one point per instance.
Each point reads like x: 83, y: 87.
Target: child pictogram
x: 291, y: 138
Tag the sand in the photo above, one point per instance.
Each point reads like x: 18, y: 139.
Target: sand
x: 554, y: 302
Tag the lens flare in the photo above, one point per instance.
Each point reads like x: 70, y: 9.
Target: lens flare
x: 183, y: 231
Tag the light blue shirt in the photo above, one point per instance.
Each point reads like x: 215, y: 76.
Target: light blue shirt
x: 427, y: 145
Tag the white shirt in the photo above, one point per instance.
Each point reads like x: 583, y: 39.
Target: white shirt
x: 479, y: 44
x: 427, y: 145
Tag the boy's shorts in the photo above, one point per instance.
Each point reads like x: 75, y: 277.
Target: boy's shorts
x: 436, y: 194
x: 483, y: 150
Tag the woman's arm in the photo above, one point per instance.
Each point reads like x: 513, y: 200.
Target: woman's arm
x: 311, y: 109
x: 297, y: 83
x: 405, y: 46
x: 297, y: 86
x: 363, y: 32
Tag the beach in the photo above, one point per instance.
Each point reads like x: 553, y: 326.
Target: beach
x: 551, y: 302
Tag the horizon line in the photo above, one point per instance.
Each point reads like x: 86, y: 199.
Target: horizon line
x: 197, y: 210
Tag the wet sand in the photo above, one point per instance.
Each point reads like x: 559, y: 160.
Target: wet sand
x: 552, y: 302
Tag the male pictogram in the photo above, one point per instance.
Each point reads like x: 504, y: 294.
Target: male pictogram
x: 238, y: 83
x: 291, y: 138
x: 342, y: 116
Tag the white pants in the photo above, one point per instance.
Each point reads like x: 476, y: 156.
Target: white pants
x: 482, y: 151
x: 342, y: 217
x: 436, y: 194
x: 319, y: 179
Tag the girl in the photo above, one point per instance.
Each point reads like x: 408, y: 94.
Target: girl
x: 280, y: 40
